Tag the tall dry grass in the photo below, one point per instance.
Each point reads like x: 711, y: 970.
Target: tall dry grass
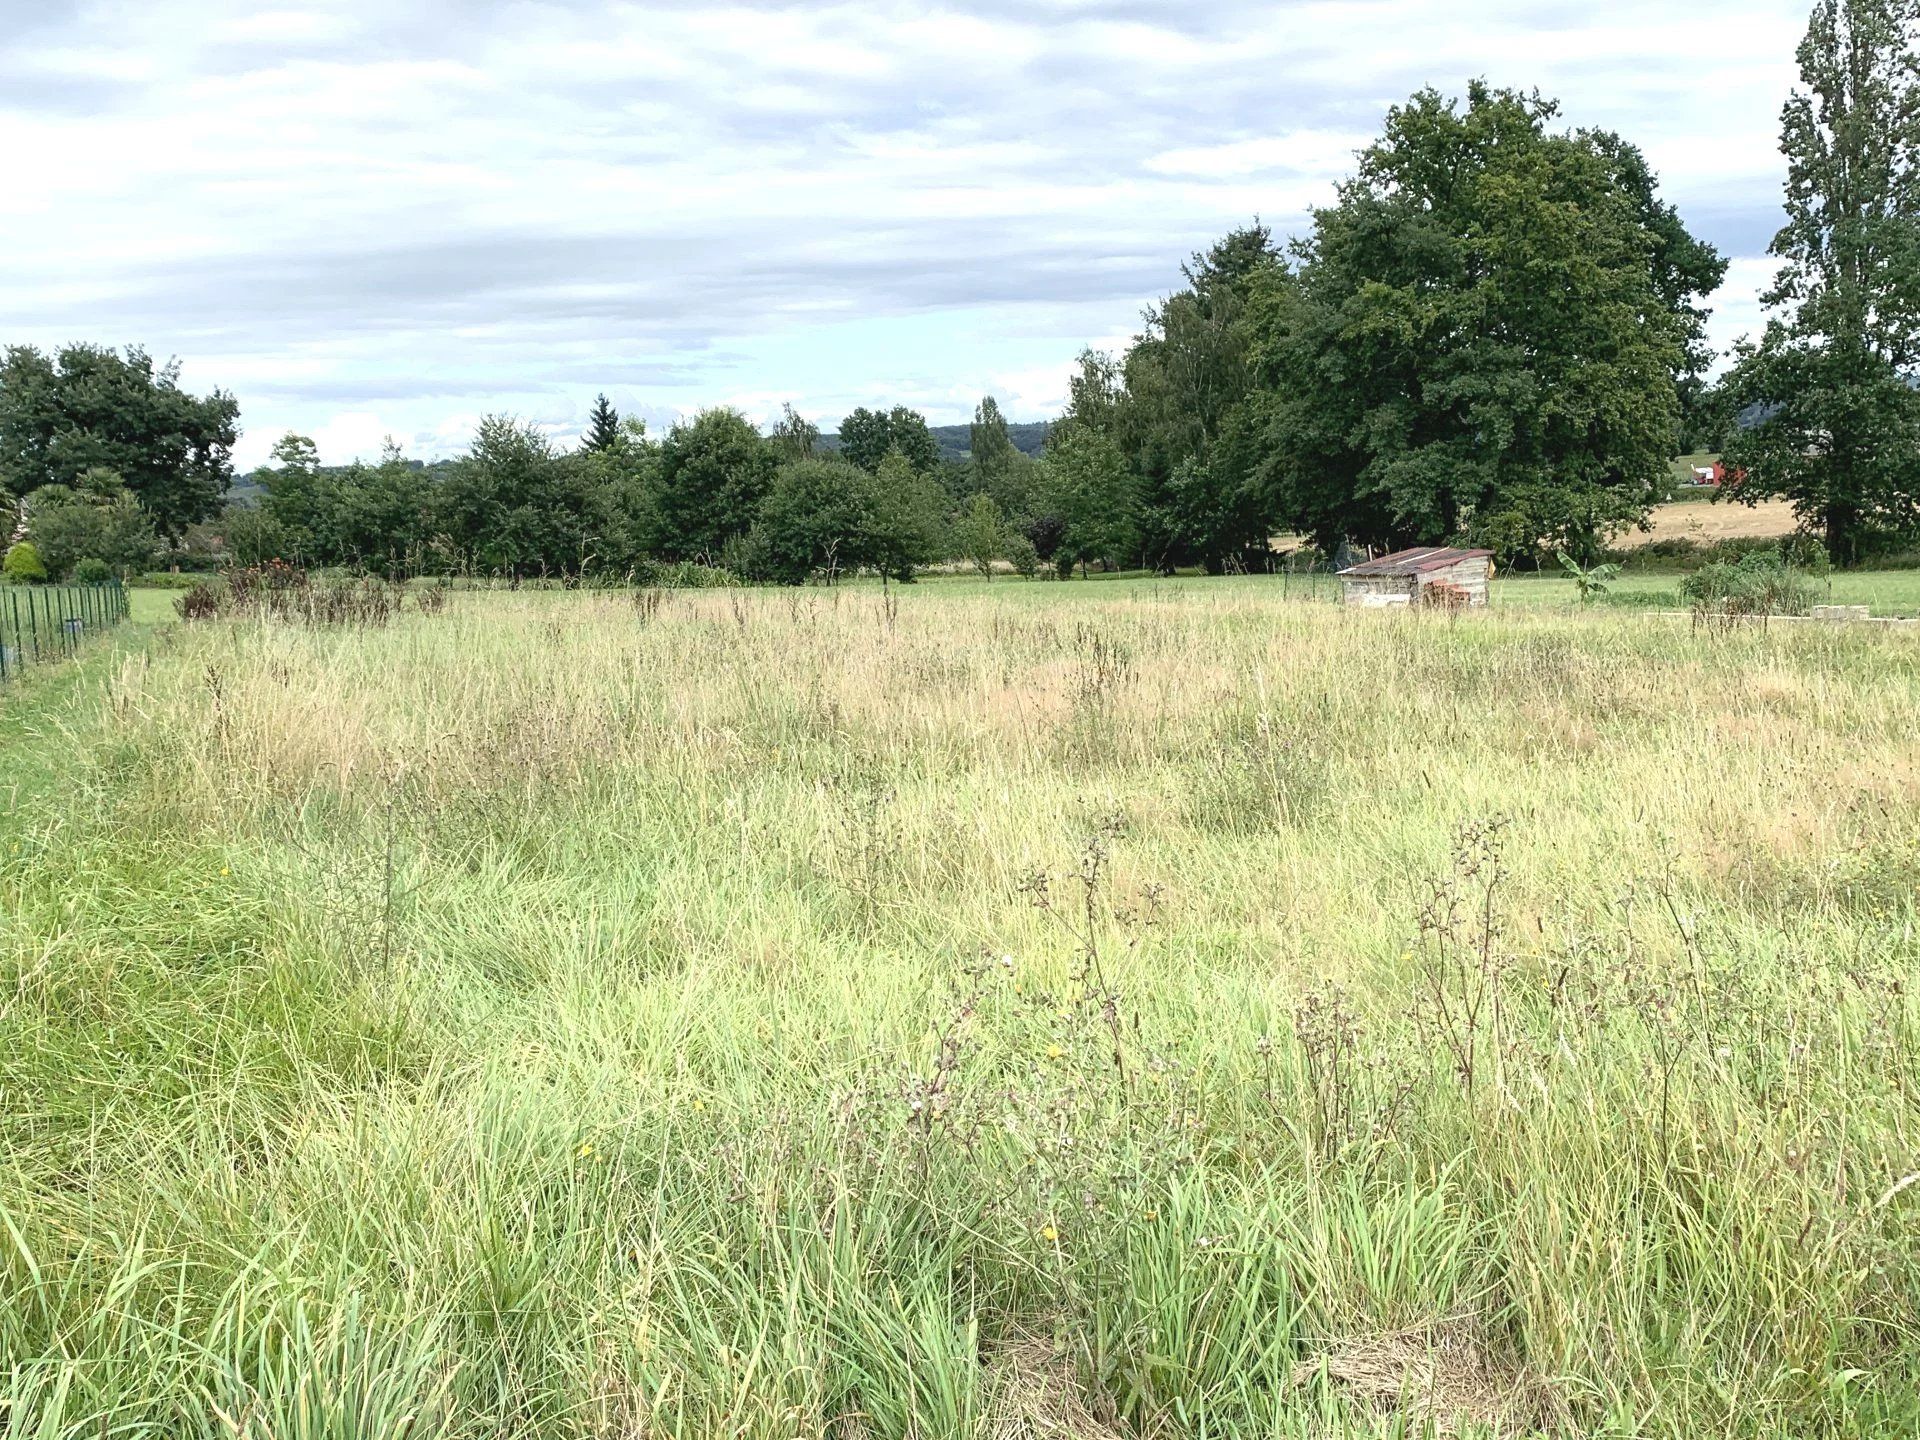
x: 1005, y: 1011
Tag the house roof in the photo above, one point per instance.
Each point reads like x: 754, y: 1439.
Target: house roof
x: 1416, y: 562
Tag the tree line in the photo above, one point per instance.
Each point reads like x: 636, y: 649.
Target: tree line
x: 1494, y: 335
x: 713, y: 490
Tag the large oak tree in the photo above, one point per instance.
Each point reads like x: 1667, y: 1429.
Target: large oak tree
x: 88, y: 407
x: 1481, y: 340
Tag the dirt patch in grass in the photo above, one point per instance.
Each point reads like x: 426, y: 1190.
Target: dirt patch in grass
x: 1037, y: 1396
x: 1443, y: 1377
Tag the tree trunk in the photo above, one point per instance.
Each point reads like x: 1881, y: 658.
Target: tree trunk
x: 1842, y: 525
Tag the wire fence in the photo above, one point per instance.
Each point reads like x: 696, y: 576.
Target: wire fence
x: 41, y: 623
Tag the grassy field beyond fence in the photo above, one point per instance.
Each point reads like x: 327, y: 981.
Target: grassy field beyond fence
x: 42, y: 623
x: 1001, y: 1010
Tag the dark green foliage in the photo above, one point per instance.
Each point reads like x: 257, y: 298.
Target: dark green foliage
x: 1831, y: 378
x: 1483, y: 338
x: 1094, y: 492
x: 97, y: 518
x: 817, y: 516
x: 989, y: 443
x: 603, y: 427
x: 1023, y: 557
x: 1679, y: 553
x: 87, y: 407
x: 92, y: 572
x: 714, y: 471
x: 383, y: 516
x: 867, y: 437
x: 512, y: 506
x: 910, y: 519
x: 827, y: 516
x: 1184, y: 412
x: 1706, y: 416
x: 619, y: 489
x: 253, y: 536
x: 298, y: 501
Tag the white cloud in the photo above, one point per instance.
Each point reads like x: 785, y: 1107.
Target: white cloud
x: 350, y: 435
x: 1737, y: 311
x: 1309, y: 151
x: 282, y: 26
x: 362, y: 216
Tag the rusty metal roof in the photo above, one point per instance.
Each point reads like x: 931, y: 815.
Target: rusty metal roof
x: 1416, y: 562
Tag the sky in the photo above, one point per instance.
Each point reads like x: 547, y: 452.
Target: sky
x: 391, y: 217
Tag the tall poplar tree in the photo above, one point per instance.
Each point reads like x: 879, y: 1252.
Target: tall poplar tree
x: 989, y: 443
x: 1831, y: 380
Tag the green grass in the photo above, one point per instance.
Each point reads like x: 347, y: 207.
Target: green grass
x: 1887, y: 592
x: 147, y: 605
x: 993, y: 1009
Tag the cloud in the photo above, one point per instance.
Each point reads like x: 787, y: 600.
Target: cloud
x: 1311, y: 152
x: 351, y: 435
x: 364, y: 217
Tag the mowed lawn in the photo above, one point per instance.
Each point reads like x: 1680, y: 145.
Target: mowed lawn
x: 1157, y: 1008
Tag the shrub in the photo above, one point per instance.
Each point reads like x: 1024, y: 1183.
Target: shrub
x: 1022, y: 555
x: 22, y: 565
x: 168, y: 580
x: 1759, y: 583
x: 67, y: 526
x: 253, y: 536
x: 92, y: 572
x: 202, y: 601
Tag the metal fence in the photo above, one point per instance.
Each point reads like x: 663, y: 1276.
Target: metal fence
x: 39, y: 623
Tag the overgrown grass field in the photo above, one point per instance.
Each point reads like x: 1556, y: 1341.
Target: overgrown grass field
x: 1012, y: 1010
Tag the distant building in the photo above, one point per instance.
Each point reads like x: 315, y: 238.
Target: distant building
x: 1431, y: 575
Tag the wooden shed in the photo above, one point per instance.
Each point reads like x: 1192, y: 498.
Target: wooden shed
x: 1431, y: 575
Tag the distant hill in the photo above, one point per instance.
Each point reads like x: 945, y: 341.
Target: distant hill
x: 1029, y: 438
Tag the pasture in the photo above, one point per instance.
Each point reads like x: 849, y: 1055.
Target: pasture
x: 1152, y: 1008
